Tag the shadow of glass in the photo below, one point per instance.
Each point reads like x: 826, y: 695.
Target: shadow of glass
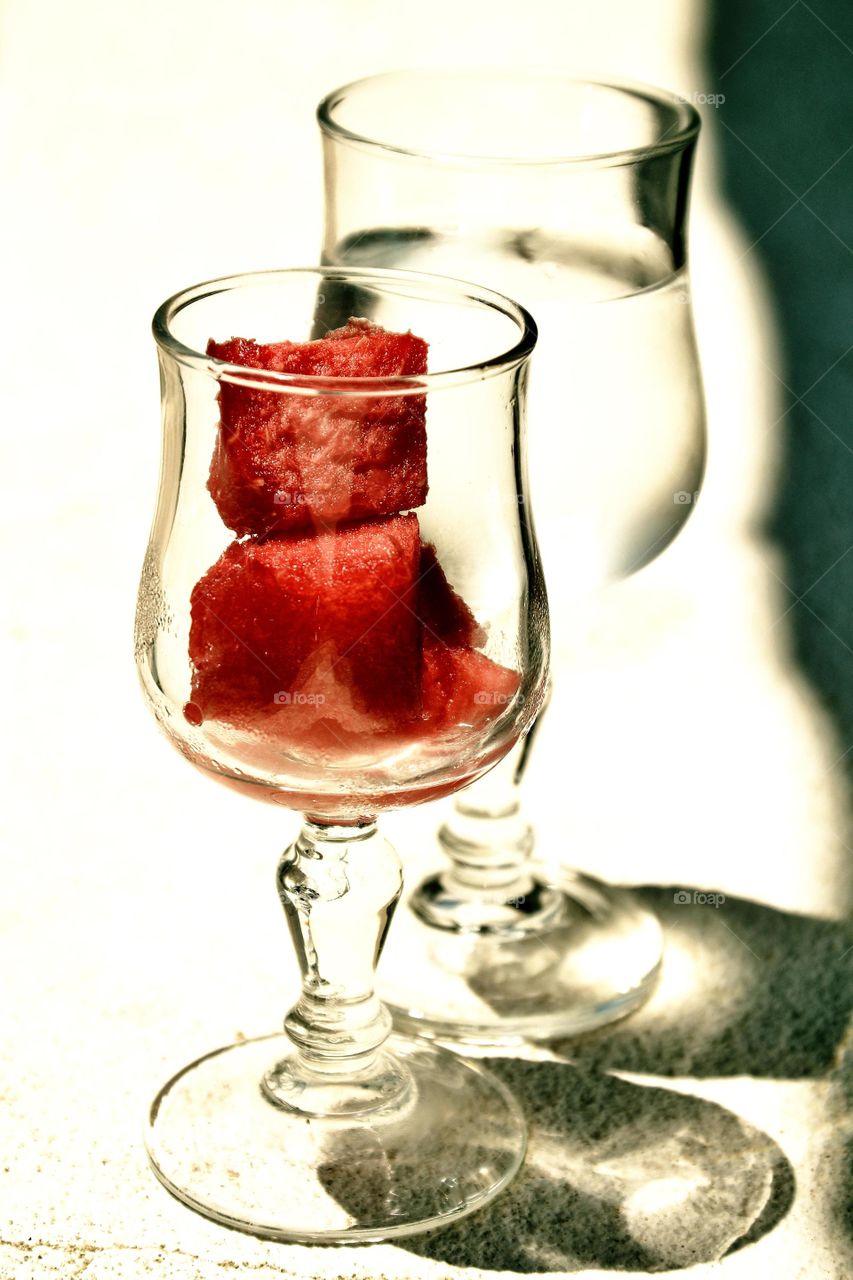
x: 621, y: 1177
x: 745, y: 989
x: 791, y: 188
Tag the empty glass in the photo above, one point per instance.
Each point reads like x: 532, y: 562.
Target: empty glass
x: 572, y: 196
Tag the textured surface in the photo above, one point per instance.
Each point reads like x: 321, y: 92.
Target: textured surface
x: 445, y: 615
x: 286, y: 461
x: 330, y: 638
x: 294, y: 627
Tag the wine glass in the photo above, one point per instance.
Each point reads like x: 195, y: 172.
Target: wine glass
x: 341, y: 611
x: 571, y: 195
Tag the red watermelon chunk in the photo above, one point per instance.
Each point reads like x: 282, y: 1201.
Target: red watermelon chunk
x: 461, y: 687
x: 285, y: 461
x: 297, y: 630
x: 445, y: 614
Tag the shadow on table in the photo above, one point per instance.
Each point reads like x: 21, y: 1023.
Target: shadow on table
x: 622, y: 1177
x: 745, y: 989
x: 791, y: 188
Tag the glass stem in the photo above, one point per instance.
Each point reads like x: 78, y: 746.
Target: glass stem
x: 339, y: 886
x: 489, y: 885
x: 487, y: 838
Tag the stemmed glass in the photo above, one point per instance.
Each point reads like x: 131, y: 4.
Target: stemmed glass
x: 572, y: 196
x: 374, y: 635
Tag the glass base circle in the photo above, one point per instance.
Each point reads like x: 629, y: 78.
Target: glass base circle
x: 586, y: 954
x: 445, y: 1146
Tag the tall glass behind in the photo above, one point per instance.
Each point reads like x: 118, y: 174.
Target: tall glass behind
x: 571, y: 196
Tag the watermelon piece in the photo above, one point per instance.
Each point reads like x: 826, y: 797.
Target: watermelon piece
x: 285, y: 462
x: 459, y: 686
x: 294, y: 631
x: 444, y: 614
x: 463, y: 688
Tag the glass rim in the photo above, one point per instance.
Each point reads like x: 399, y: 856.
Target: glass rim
x: 313, y: 384
x: 686, y: 116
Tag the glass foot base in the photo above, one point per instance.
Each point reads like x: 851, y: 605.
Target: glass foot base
x: 446, y: 1145
x: 587, y: 955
